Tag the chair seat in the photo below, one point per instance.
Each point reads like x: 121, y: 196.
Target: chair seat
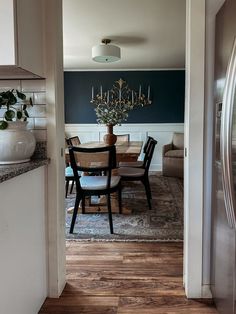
x: 177, y: 153
x: 69, y: 172
x: 98, y: 182
x: 135, y: 164
x: 130, y: 172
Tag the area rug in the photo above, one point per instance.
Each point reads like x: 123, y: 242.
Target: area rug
x: 137, y: 223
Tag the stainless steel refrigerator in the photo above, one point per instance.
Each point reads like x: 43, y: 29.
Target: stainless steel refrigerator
x: 223, y: 257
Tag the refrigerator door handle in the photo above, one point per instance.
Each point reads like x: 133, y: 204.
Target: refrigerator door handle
x: 226, y: 138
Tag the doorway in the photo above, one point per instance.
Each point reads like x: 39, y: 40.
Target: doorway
x: 56, y: 237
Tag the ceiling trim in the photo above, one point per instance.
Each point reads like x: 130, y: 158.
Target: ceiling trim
x: 106, y: 70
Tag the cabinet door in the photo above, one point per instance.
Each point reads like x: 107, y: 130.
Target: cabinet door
x: 30, y: 35
x: 22, y: 28
x: 7, y: 27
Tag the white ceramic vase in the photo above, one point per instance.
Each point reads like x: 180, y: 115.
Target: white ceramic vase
x: 17, y: 144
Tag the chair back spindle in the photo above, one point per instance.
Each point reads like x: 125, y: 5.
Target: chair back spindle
x: 147, y: 144
x: 149, y: 154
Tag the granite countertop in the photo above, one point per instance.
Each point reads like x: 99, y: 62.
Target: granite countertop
x: 10, y: 171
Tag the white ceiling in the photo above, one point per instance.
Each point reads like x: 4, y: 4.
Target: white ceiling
x: 150, y: 33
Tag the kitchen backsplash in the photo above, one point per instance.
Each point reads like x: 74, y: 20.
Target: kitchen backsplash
x: 40, y: 150
x: 35, y: 89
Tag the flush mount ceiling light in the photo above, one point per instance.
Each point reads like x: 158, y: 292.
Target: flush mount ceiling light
x: 106, y: 53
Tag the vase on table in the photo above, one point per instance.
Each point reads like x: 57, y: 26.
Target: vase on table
x: 110, y: 138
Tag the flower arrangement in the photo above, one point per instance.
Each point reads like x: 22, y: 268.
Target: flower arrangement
x: 16, y: 105
x: 112, y: 113
x: 113, y: 106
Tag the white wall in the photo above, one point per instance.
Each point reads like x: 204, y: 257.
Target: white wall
x: 23, y: 248
x: 162, y: 132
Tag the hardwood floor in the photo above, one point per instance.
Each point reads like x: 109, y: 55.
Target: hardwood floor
x: 125, y: 278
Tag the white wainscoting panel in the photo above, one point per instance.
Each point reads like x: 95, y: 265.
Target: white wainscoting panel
x: 162, y: 132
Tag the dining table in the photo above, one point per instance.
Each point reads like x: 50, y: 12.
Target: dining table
x: 125, y: 151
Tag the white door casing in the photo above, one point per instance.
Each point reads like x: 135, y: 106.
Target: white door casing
x: 193, y: 166
x: 200, y: 32
x: 55, y: 145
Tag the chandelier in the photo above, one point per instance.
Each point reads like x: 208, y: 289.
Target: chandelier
x: 121, y: 94
x: 112, y: 106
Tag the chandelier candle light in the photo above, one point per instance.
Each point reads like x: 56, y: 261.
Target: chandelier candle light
x: 113, y: 106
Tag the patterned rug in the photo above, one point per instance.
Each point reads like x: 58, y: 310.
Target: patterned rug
x: 137, y: 223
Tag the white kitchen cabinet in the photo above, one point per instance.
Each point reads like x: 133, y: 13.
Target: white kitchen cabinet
x: 21, y: 47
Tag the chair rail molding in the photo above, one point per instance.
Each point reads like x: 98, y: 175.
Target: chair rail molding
x: 162, y: 132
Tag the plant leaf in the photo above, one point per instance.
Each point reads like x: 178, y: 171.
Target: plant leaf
x: 9, y: 98
x: 20, y: 95
x: 1, y: 101
x: 3, y: 125
x: 31, y: 102
x: 19, y: 114
x: 26, y: 113
x: 9, y: 115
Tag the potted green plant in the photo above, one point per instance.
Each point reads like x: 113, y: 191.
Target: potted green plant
x: 8, y: 100
x: 17, y: 144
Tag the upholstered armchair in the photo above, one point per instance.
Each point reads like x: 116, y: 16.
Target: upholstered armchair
x: 173, y: 157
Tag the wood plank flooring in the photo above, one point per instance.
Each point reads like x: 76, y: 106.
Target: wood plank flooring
x: 125, y: 278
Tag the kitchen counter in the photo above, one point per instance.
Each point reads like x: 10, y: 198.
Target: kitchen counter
x: 10, y: 171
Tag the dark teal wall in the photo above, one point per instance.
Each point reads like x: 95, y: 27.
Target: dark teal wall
x: 167, y: 95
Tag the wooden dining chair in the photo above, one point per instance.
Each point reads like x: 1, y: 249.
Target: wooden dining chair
x: 69, y: 176
x: 94, y: 160
x: 138, y: 163
x: 122, y: 138
x: 140, y: 174
x: 74, y: 141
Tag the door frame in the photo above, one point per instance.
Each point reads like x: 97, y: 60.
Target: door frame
x: 53, y: 57
x: 200, y: 33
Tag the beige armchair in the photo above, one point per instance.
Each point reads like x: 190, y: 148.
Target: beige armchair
x: 173, y: 157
